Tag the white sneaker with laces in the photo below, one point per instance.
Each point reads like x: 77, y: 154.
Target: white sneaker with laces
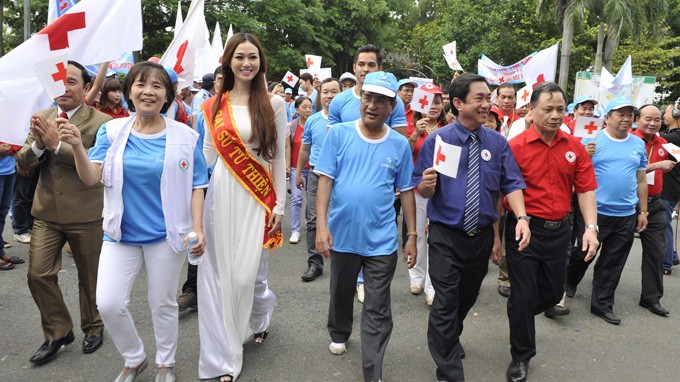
x: 360, y: 293
x: 294, y: 237
x: 24, y: 238
x: 337, y: 348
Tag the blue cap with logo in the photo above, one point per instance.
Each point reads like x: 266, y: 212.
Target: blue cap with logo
x: 172, y: 74
x: 619, y: 103
x: 384, y: 83
x: 406, y: 81
x: 581, y: 99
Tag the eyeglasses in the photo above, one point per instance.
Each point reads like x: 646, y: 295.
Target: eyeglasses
x: 380, y: 101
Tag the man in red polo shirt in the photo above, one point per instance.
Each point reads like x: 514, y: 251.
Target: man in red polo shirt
x: 507, y: 97
x: 553, y: 163
x: 405, y: 92
x: 653, y: 238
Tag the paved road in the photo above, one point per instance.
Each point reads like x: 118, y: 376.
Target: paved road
x: 578, y: 347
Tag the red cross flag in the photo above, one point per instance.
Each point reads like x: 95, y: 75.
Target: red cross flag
x: 318, y: 74
x: 313, y: 62
x: 587, y: 127
x: 422, y: 101
x: 450, y: 56
x: 541, y: 67
x: 524, y: 96
x: 89, y: 33
x: 290, y: 79
x: 53, y: 83
x: 672, y: 149
x: 181, y: 54
x: 446, y: 157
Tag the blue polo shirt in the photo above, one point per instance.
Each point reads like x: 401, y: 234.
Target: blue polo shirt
x: 314, y: 135
x: 616, y: 163
x: 499, y: 174
x: 365, y: 173
x: 345, y: 108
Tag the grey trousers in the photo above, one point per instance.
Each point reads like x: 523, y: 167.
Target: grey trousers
x: 376, y: 317
x: 315, y: 257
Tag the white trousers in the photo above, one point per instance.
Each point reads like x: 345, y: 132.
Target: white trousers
x: 419, y: 274
x: 119, y: 265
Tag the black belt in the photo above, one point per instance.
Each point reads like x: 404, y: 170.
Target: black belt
x: 550, y: 224
x: 476, y: 232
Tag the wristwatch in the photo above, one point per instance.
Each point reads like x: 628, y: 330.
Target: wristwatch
x: 524, y: 217
x: 593, y: 226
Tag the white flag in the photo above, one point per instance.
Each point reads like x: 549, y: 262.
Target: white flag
x: 52, y: 74
x: 290, y: 79
x: 541, y: 67
x: 178, y: 20
x: 524, y: 96
x: 587, y: 127
x: 80, y: 33
x: 318, y: 74
x: 313, y: 62
x: 422, y: 101
x: 446, y: 158
x: 420, y: 80
x: 451, y: 57
x: 229, y: 34
x: 181, y: 54
x: 672, y: 149
x: 217, y: 46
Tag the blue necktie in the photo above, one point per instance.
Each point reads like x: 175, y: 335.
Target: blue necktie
x: 471, y: 216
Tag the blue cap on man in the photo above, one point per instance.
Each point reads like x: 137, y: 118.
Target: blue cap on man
x: 619, y: 103
x: 581, y: 99
x: 384, y: 83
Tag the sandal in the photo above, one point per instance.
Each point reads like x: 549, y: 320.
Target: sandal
x: 226, y: 378
x: 6, y: 266
x: 260, y: 337
x: 13, y: 260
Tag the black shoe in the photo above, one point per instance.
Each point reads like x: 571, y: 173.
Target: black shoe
x: 312, y: 273
x: 49, y: 349
x: 504, y: 291
x: 608, y: 316
x: 555, y: 311
x: 655, y: 308
x: 517, y: 371
x: 676, y: 261
x: 462, y: 352
x: 667, y: 272
x: 92, y: 343
x: 569, y: 290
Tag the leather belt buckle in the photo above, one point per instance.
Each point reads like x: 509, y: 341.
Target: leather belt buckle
x: 473, y: 233
x: 552, y: 224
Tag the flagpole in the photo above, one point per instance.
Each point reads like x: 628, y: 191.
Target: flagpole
x: 27, y: 19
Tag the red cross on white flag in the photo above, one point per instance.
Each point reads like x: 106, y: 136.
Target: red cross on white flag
x: 672, y: 149
x: 52, y: 74
x: 541, y: 67
x: 446, y: 157
x: 290, y: 79
x: 587, y: 127
x: 451, y: 57
x: 422, y: 101
x: 312, y: 61
x: 523, y: 96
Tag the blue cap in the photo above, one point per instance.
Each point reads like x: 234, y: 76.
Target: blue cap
x: 384, y: 83
x: 172, y: 74
x: 406, y: 81
x: 618, y: 103
x: 581, y: 99
x: 570, y: 108
x: 288, y: 91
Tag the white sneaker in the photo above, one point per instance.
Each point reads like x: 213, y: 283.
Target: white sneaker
x: 360, y: 293
x: 429, y: 298
x: 294, y: 238
x: 24, y: 238
x: 337, y: 348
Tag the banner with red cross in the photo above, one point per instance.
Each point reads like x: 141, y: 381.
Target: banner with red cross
x: 290, y: 79
x: 422, y: 100
x: 312, y: 61
x: 587, y: 127
x: 446, y: 158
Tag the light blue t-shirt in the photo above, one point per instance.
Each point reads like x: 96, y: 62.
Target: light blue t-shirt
x: 143, y: 221
x: 616, y: 163
x: 365, y: 172
x: 314, y: 135
x: 8, y: 165
x: 198, y: 100
x: 345, y: 108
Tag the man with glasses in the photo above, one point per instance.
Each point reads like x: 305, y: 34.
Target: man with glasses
x: 360, y: 165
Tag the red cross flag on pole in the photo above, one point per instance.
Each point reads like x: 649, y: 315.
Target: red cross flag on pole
x: 541, y: 67
x: 451, y: 57
x: 446, y: 157
x: 90, y: 32
x: 422, y: 101
x: 313, y: 62
x: 290, y: 79
x: 587, y: 127
x: 524, y: 96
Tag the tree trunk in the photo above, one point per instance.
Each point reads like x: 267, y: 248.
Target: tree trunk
x: 598, y: 53
x: 612, y: 44
x: 567, y: 38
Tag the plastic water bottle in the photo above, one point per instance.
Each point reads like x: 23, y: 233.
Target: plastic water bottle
x: 193, y: 240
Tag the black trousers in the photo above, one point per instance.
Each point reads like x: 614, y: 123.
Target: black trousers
x: 653, y: 247
x: 22, y: 201
x: 458, y: 264
x: 537, y: 277
x: 616, y: 238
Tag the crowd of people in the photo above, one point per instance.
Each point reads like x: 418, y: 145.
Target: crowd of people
x: 126, y: 170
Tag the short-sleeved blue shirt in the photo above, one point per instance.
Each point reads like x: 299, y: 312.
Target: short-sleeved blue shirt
x: 365, y: 173
x: 143, y: 221
x: 314, y: 135
x: 345, y: 108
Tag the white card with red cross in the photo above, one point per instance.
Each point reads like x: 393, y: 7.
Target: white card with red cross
x: 446, y: 157
x: 587, y: 127
x: 523, y: 96
x: 422, y: 101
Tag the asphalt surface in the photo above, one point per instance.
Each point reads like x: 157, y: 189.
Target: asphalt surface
x: 577, y: 347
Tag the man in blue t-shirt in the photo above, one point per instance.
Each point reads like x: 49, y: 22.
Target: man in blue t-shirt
x: 620, y: 163
x: 360, y: 165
